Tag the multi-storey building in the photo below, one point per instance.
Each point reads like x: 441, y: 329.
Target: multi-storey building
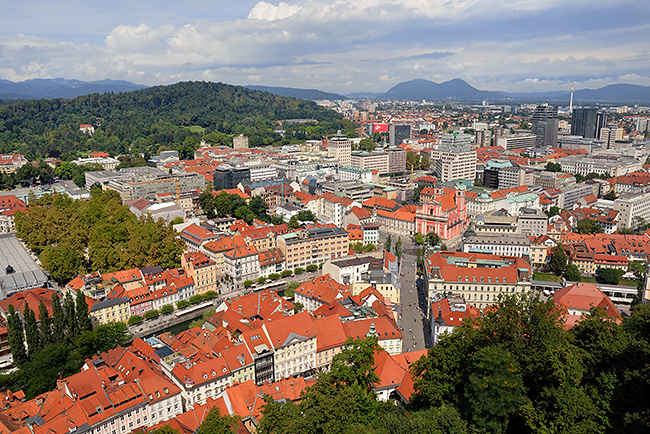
x: 544, y: 125
x: 632, y: 209
x: 329, y: 340
x: 242, y: 264
x: 240, y: 142
x: 516, y: 141
x: 340, y: 149
x: 509, y: 244
x: 600, y: 164
x: 532, y: 222
x: 396, y: 160
x: 110, y: 310
x: 377, y: 161
x: 144, y: 182
x: 398, y: 133
x: 389, y: 337
x: 313, y: 246
x: 226, y: 177
x: 456, y: 139
x: 202, y: 270
x: 587, y: 122
x: 478, y: 278
x: 454, y: 162
x: 294, y: 344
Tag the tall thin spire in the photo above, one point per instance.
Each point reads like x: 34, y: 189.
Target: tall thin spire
x: 571, y: 102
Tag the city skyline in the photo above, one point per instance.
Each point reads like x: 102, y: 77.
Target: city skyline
x: 340, y: 46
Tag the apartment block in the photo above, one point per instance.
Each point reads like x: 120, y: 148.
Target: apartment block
x: 374, y: 161
x: 454, y: 162
x: 202, y: 270
x: 478, y: 278
x: 313, y: 246
x: 340, y: 149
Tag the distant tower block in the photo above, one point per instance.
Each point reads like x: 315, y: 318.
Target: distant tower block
x: 240, y: 142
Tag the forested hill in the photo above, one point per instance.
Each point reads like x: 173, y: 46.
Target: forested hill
x: 144, y: 120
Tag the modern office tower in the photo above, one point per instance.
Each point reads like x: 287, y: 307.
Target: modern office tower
x: 340, y: 149
x: 226, y: 177
x: 545, y: 125
x: 240, y: 142
x: 399, y: 133
x: 456, y: 139
x: 587, y: 122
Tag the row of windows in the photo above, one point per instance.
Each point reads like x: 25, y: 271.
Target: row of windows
x: 489, y: 279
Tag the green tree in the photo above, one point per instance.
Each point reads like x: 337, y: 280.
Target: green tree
x: 398, y: 249
x: 608, y: 276
x: 553, y: 167
x: 63, y: 263
x: 388, y: 243
x: 297, y: 308
x: 71, y: 325
x: 298, y: 270
x: 610, y: 196
x: 45, y: 325
x: 135, y: 319
x: 166, y: 309
x: 557, y: 262
x: 15, y: 337
x: 495, y: 389
x: 215, y: 423
x: 248, y: 283
x: 32, y: 335
x: 151, y: 314
x: 306, y: 215
x: 572, y: 273
x: 182, y: 304
x: 418, y: 238
x: 588, y: 226
x: 312, y: 267
x: 293, y: 223
x: 286, y: 273
x: 109, y: 336
x: 261, y: 280
x: 424, y: 163
x: 367, y: 145
x: 274, y: 276
x: 554, y: 210
x: 83, y: 319
x: 58, y: 319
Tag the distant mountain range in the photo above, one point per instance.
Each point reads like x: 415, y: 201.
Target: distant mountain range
x: 459, y: 90
x: 310, y: 94
x: 413, y: 90
x: 61, y: 88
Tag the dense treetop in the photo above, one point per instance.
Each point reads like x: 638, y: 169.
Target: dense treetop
x: 144, y: 120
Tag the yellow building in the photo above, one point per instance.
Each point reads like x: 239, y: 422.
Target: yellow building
x: 313, y: 246
x: 110, y: 310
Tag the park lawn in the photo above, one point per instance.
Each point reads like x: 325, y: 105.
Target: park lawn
x: 196, y: 129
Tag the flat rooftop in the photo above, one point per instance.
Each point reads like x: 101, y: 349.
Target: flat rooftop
x: 26, y: 273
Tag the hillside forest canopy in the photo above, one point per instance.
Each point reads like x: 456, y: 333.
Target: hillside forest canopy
x: 146, y: 121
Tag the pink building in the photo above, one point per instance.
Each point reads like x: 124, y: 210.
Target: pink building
x: 445, y: 214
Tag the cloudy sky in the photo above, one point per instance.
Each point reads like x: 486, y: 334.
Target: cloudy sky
x: 337, y: 45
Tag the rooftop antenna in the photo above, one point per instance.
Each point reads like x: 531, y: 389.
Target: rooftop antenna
x: 571, y: 102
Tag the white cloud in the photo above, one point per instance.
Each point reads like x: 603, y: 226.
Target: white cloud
x: 267, y: 12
